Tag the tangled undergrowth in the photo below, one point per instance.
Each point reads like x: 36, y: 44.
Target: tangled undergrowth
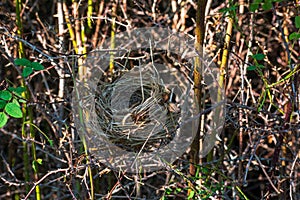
x: 42, y: 156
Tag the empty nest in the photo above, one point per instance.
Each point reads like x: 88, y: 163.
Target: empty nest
x: 146, y: 123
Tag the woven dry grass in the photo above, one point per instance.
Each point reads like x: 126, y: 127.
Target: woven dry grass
x: 150, y: 119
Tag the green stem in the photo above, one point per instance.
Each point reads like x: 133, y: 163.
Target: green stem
x: 89, y: 14
x: 33, y: 151
x: 27, y: 112
x: 82, y: 121
x: 24, y: 109
x: 20, y: 27
x: 44, y: 134
x: 112, y: 37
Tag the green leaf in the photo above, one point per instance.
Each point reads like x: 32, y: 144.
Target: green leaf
x: 251, y: 68
x: 254, y: 7
x: 20, y: 89
x: 258, y: 56
x: 34, y: 166
x: 39, y: 161
x: 13, y: 110
x: 22, y: 62
x: 294, y: 36
x: 261, y: 66
x: 15, y: 101
x: 191, y: 195
x: 51, y: 143
x: 27, y: 71
x: 297, y: 21
x: 3, y: 119
x: 178, y: 190
x: 11, y: 89
x: 35, y: 162
x: 22, y: 101
x: 2, y: 104
x: 37, y: 66
x: 5, y: 95
x: 267, y: 5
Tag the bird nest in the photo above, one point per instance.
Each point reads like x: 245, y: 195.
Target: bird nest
x: 137, y: 114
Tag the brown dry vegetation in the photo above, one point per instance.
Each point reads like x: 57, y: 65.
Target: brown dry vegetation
x: 258, y: 156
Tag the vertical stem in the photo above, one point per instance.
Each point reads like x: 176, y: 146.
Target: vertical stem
x: 242, y: 71
x: 89, y: 167
x: 20, y: 27
x: 112, y: 37
x: 27, y: 112
x: 111, y: 59
x: 82, y: 74
x: 225, y: 56
x: 137, y: 185
x: 59, y: 70
x: 97, y: 29
x: 89, y: 14
x: 33, y: 150
x: 199, y: 34
x: 24, y: 108
x: 175, y: 17
x: 71, y: 31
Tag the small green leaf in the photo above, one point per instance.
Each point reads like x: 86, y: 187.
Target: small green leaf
x: 5, y: 95
x: 37, y: 66
x: 297, y: 21
x: 258, y: 56
x: 261, y: 66
x: 27, y: 71
x: 294, y: 36
x: 15, y: 101
x: 22, y: 62
x: 22, y: 101
x: 13, y: 110
x: 168, y: 191
x: 20, y: 89
x: 178, y: 190
x: 34, y: 165
x: 39, y: 161
x: 2, y: 104
x: 191, y: 195
x: 254, y: 7
x: 51, y: 143
x: 3, y: 119
x: 251, y: 68
x: 11, y: 89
